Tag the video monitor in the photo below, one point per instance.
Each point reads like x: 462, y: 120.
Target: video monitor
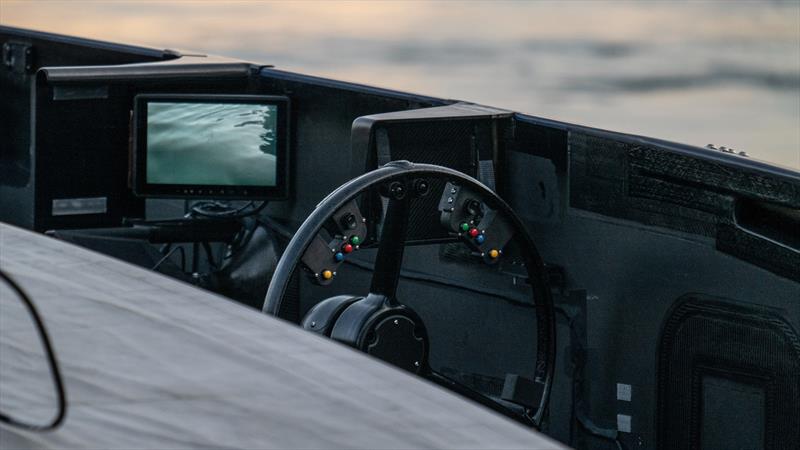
x: 210, y: 146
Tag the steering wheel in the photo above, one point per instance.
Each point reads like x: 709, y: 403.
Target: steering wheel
x: 379, y: 323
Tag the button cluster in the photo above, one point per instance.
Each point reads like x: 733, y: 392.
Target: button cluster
x: 478, y: 237
x: 349, y: 245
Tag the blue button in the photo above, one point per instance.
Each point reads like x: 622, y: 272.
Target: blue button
x: 339, y: 256
x: 480, y: 238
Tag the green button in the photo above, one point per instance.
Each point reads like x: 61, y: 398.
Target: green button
x: 355, y: 240
x: 464, y: 226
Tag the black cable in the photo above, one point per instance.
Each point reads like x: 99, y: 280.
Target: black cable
x: 242, y: 238
x: 51, y: 359
x: 165, y: 257
x: 577, y: 410
x: 284, y: 231
x: 195, y: 257
x: 217, y: 210
x: 209, y: 255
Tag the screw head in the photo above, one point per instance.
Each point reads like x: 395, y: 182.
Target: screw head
x: 397, y: 190
x: 421, y: 187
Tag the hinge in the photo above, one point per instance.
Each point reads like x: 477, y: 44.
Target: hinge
x: 18, y: 57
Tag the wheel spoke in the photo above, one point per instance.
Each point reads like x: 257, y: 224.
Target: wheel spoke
x: 390, y: 250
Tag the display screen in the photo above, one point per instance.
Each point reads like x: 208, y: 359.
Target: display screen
x: 207, y: 146
x: 226, y: 144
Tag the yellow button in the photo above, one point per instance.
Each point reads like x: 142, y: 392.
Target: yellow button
x: 493, y: 254
x: 327, y: 274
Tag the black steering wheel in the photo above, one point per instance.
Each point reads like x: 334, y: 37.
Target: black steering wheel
x: 379, y: 323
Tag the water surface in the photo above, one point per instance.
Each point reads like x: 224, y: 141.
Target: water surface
x: 724, y: 73
x: 218, y: 144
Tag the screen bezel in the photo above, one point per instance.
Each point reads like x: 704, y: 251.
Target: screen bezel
x: 139, y: 162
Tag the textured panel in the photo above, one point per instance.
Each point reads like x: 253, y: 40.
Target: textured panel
x: 451, y: 144
x: 657, y: 187
x: 710, y: 344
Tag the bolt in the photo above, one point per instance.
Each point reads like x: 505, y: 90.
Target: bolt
x: 421, y: 187
x: 416, y: 363
x: 397, y: 190
x: 449, y: 199
x: 313, y: 324
x: 396, y: 322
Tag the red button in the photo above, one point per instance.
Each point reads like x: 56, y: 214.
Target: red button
x: 347, y: 248
x: 473, y: 232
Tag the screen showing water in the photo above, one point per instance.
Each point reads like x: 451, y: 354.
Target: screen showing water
x: 217, y: 144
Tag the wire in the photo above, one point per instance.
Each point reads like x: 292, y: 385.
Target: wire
x: 577, y: 409
x: 209, y: 255
x: 284, y: 231
x: 219, y: 210
x: 51, y: 359
x: 165, y: 257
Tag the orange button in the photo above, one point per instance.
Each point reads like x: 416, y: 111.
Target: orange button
x: 327, y: 274
x: 493, y: 253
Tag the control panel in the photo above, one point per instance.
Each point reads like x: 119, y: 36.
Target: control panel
x: 323, y: 257
x: 481, y: 228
